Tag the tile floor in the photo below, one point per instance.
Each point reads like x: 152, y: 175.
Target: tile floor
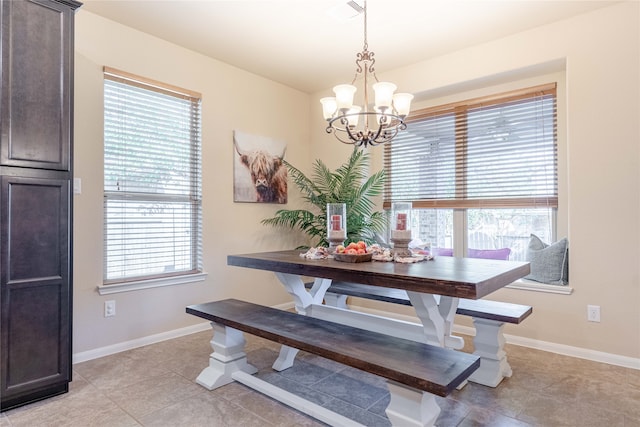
x: 154, y: 386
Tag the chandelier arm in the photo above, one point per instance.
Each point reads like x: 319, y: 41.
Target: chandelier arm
x: 345, y: 122
x: 390, y: 135
x: 386, y: 131
x: 380, y: 127
x: 345, y: 141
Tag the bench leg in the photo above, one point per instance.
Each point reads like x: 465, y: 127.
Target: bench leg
x: 228, y: 357
x: 410, y: 407
x: 489, y: 345
x: 285, y: 358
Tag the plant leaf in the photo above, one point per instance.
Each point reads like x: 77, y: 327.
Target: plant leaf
x: 348, y: 184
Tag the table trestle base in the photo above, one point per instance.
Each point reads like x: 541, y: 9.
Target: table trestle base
x: 489, y: 340
x: 489, y: 318
x: 437, y: 315
x: 370, y: 322
x: 302, y: 299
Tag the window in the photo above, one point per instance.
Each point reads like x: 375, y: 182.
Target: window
x: 152, y: 179
x: 482, y: 174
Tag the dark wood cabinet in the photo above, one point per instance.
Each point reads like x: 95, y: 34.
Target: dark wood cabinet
x: 36, y: 178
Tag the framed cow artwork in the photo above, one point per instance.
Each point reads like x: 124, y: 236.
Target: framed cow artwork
x: 259, y: 173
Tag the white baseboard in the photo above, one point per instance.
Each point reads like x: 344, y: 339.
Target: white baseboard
x: 151, y: 339
x: 567, y: 350
x: 581, y: 353
x: 139, y: 342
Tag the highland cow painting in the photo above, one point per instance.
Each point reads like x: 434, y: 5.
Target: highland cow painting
x: 260, y: 175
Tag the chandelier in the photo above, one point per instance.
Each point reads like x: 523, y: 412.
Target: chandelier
x: 366, y: 125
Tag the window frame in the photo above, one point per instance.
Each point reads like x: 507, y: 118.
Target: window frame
x: 498, y: 94
x: 192, y: 199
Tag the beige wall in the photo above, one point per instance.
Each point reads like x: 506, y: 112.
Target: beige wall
x: 599, y: 54
x: 232, y: 99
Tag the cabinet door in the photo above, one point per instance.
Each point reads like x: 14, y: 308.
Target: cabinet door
x: 35, y: 292
x: 36, y: 41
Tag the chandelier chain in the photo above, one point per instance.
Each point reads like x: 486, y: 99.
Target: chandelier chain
x: 366, y: 44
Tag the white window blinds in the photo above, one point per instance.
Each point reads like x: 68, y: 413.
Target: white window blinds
x: 497, y: 152
x: 152, y: 179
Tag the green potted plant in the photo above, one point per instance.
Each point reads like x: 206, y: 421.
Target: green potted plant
x: 348, y: 184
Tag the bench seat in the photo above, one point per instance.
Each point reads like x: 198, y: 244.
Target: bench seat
x: 488, y: 317
x: 419, y: 369
x: 484, y: 309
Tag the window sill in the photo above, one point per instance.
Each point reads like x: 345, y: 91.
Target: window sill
x: 151, y: 283
x: 530, y: 285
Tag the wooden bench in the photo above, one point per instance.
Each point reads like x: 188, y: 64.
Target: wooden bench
x: 416, y: 372
x: 488, y: 317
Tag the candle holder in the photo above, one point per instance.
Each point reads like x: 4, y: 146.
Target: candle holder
x: 401, y: 229
x: 336, y: 225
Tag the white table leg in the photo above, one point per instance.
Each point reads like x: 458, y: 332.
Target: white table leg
x: 437, y: 315
x: 302, y: 299
x: 489, y: 345
x: 228, y: 357
x: 410, y: 407
x: 336, y: 300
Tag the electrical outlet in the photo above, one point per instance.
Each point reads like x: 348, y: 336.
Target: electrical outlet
x: 109, y: 308
x: 593, y: 313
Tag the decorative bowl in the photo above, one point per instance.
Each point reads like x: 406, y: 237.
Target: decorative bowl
x: 353, y: 258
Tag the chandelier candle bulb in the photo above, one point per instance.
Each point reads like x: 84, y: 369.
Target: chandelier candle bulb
x: 353, y: 116
x: 402, y: 103
x: 329, y: 107
x: 384, y: 94
x: 344, y: 96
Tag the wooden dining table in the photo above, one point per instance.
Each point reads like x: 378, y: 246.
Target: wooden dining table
x: 434, y: 288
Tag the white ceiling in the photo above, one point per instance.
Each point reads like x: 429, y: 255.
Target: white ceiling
x: 297, y: 43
